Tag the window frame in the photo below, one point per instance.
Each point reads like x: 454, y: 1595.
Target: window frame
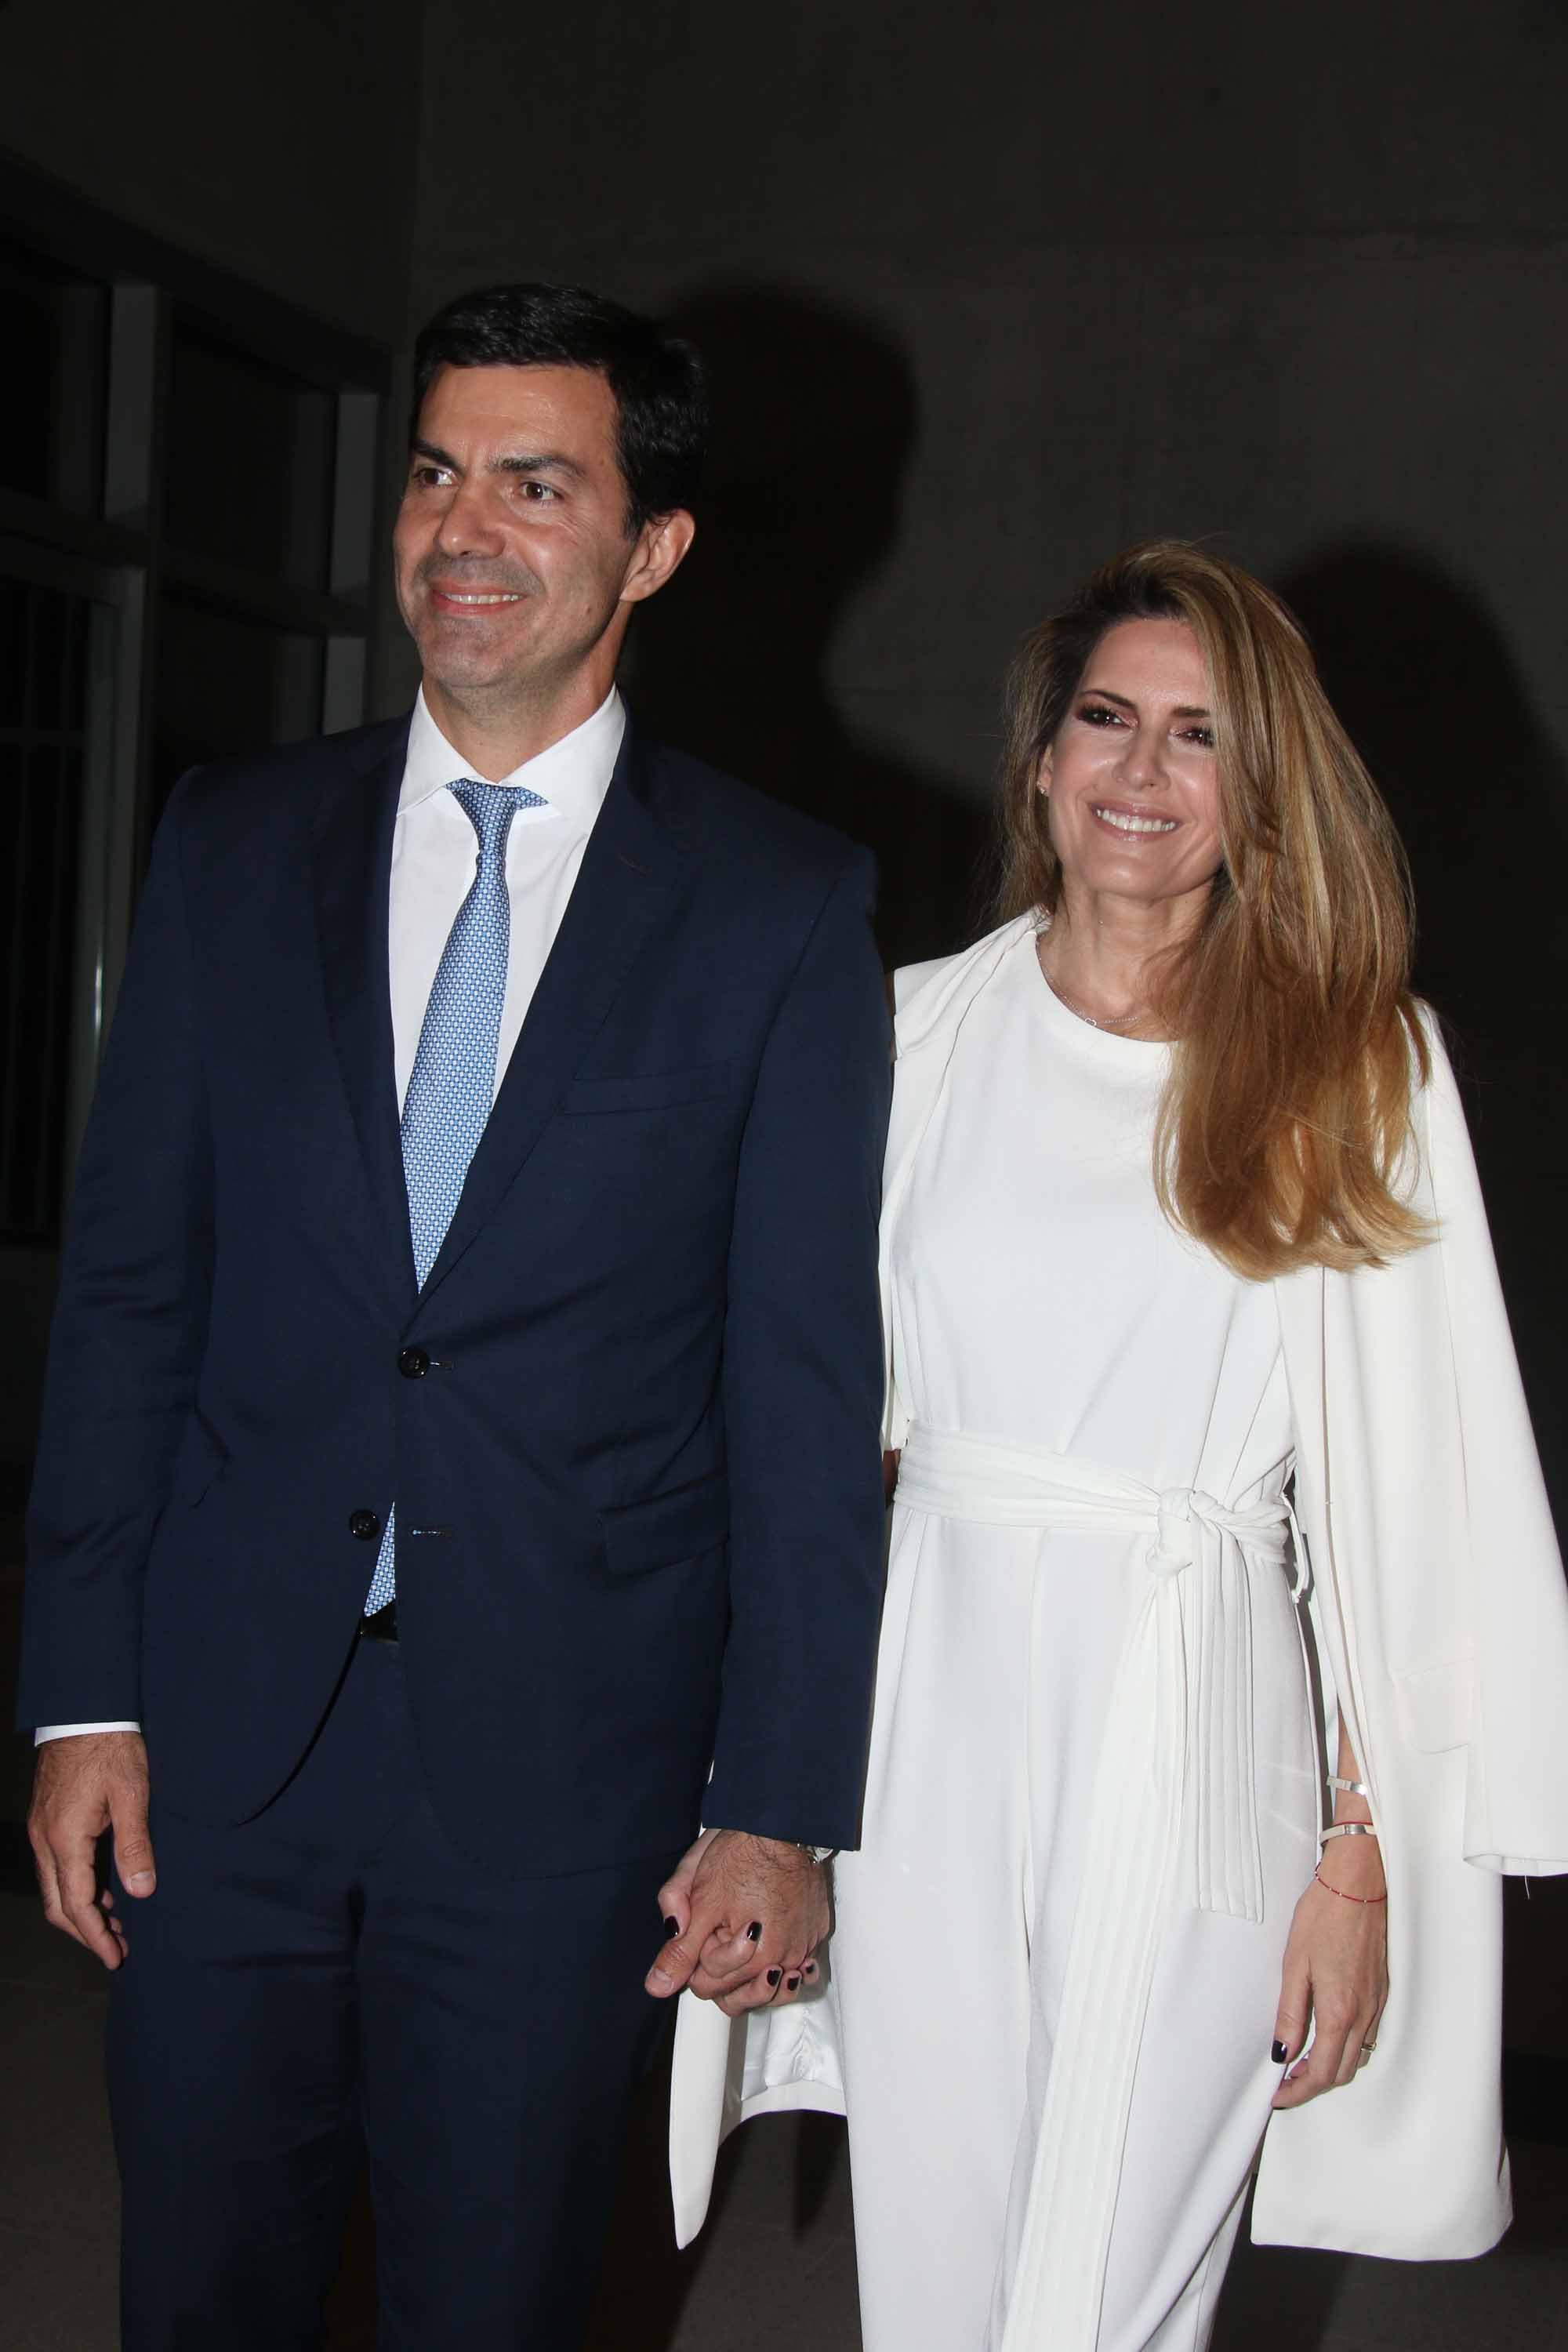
x: 102, y: 532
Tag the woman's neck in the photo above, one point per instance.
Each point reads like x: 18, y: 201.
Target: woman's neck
x: 1099, y: 953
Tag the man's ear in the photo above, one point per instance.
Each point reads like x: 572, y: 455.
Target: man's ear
x: 661, y: 549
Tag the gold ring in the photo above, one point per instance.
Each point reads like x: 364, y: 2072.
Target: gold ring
x: 1367, y: 2048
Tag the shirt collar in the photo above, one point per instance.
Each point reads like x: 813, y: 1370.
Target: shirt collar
x: 573, y: 775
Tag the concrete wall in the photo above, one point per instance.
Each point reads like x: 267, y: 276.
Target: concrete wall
x: 1059, y: 276
x: 273, y: 137
x: 990, y: 292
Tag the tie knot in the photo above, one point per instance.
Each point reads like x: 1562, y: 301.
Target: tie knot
x: 489, y: 809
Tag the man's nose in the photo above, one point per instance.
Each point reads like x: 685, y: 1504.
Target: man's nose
x: 470, y: 526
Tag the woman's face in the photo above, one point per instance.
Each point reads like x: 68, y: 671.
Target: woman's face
x: 1133, y: 780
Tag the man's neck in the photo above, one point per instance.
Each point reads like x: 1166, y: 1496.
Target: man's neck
x: 494, y: 741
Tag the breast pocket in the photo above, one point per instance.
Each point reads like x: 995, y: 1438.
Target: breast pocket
x: 650, y: 1090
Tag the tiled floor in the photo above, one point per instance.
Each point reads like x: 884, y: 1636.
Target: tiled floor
x: 774, y: 2269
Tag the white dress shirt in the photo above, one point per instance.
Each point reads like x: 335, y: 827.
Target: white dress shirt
x: 435, y: 856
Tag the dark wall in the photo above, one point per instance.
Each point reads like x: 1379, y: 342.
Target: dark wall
x: 990, y: 292
x: 273, y: 137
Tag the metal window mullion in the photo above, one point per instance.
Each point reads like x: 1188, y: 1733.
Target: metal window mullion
x: 103, y: 878
x: 139, y: 347
x: 357, y: 475
x: 56, y: 1008
x: 11, y: 1206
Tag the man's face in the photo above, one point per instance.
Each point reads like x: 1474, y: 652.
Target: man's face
x: 511, y: 545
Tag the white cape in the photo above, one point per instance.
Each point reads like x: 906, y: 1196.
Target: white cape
x: 1442, y: 1617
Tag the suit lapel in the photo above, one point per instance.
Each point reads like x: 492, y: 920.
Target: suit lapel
x: 353, y: 879
x: 630, y: 877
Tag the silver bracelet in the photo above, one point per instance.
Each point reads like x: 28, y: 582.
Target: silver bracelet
x: 1348, y: 1829
x: 1350, y: 1788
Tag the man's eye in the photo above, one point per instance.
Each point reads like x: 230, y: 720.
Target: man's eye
x: 536, y: 493
x: 428, y: 476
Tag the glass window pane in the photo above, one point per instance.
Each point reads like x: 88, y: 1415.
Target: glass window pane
x: 250, y: 460
x: 226, y: 685
x: 51, y: 386
x: 41, y: 746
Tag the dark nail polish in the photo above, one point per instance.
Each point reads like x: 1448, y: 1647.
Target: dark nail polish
x: 1279, y: 2052
x: 793, y: 1985
x: 671, y: 1927
x: 754, y: 1932
x: 774, y: 1975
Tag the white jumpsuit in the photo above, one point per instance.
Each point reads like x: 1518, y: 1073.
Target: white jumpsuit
x: 1042, y: 1300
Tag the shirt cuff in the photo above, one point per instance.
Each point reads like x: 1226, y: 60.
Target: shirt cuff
x: 76, y: 1730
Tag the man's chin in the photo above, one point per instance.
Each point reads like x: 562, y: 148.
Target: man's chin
x: 458, y: 664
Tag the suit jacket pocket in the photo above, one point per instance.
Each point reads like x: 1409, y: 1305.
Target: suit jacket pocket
x: 666, y: 1528
x: 654, y: 1090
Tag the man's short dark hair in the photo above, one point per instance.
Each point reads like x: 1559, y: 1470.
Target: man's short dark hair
x: 656, y: 380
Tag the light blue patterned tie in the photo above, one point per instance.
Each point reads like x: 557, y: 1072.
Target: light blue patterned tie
x: 453, y: 1081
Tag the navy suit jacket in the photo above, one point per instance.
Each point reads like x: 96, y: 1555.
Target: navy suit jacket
x: 637, y: 1488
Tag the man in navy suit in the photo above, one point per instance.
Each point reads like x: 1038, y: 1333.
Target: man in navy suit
x: 460, y: 1480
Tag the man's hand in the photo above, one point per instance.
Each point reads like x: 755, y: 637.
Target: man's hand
x: 85, y: 1784
x: 742, y: 1916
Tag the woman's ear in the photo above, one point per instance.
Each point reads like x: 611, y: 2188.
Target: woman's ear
x: 1043, y: 776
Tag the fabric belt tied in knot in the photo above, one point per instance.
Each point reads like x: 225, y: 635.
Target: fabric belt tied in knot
x: 1172, y: 1549
x: 1181, y: 1705
x: 1200, y: 1701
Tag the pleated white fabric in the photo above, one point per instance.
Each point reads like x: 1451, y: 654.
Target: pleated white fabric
x: 1165, y: 1717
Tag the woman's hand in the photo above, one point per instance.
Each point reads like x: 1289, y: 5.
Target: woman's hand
x: 1335, y: 1975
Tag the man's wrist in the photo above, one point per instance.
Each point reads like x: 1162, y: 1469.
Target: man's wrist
x: 813, y: 1854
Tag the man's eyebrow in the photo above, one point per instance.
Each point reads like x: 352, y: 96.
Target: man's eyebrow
x: 1181, y: 710
x: 554, y: 461
x: 437, y: 456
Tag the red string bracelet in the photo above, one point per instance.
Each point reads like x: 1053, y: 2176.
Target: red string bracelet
x: 1340, y: 1891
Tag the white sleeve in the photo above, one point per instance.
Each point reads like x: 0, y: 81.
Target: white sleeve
x: 76, y: 1730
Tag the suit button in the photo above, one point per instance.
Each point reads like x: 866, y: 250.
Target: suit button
x: 414, y: 1363
x: 365, y: 1525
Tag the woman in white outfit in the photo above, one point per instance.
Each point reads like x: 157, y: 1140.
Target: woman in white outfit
x: 1180, y: 1221
x: 1101, y: 1440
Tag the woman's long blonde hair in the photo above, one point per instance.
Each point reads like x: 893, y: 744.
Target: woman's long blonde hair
x: 1287, y: 1114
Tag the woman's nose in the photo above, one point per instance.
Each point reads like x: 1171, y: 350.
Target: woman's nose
x: 1141, y: 761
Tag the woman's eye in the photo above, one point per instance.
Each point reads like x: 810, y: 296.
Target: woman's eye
x: 1201, y: 735
x: 1098, y: 714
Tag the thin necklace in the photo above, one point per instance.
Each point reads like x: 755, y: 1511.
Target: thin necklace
x: 1124, y: 1020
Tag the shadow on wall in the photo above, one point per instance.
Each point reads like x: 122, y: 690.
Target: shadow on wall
x: 816, y: 412
x: 1436, y: 707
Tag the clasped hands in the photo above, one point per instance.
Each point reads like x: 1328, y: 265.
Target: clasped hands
x: 742, y: 1918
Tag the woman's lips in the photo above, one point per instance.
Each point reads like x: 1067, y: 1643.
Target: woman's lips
x: 1132, y: 824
